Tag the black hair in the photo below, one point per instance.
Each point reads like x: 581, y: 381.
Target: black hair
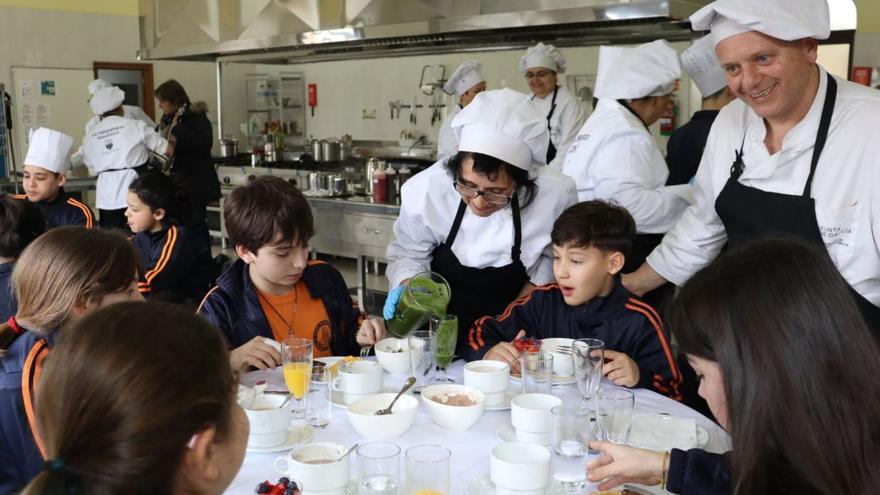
x: 265, y: 207
x: 20, y: 223
x: 158, y: 190
x: 605, y: 226
x: 490, y: 167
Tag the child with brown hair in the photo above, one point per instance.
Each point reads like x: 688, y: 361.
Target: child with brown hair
x: 63, y: 275
x: 20, y: 223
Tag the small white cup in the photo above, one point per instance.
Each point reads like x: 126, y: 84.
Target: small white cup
x: 357, y: 379
x: 318, y: 467
x: 519, y: 468
x: 532, y: 419
x: 269, y: 422
x: 489, y: 377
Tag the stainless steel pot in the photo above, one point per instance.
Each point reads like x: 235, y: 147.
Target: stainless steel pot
x: 318, y: 181
x: 338, y: 185
x: 228, y: 147
x: 332, y: 151
x: 317, y: 150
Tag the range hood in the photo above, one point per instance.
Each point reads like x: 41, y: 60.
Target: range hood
x: 294, y: 31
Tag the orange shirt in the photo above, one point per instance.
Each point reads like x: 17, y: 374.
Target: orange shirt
x: 307, y: 315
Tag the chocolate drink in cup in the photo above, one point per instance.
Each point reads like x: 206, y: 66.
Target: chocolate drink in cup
x: 426, y: 294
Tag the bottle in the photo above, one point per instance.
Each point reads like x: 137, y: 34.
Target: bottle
x: 404, y: 174
x: 393, y: 183
x: 380, y: 187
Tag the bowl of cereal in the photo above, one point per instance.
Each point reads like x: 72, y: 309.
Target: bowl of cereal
x: 454, y: 407
x: 393, y: 354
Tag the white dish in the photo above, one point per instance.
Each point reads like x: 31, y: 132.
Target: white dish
x: 295, y: 436
x: 455, y: 418
x: 557, y: 380
x: 483, y: 486
x: 363, y: 418
x: 664, y: 428
x: 337, y: 400
x: 505, y: 433
x: 505, y: 405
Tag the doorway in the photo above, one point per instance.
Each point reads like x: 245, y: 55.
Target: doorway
x: 135, y: 80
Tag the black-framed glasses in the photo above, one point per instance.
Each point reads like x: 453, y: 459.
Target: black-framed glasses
x: 471, y: 193
x: 541, y: 74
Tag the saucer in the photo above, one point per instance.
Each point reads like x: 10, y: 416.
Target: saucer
x: 295, y: 436
x: 505, y: 404
x: 506, y: 433
x: 483, y: 486
x: 558, y: 380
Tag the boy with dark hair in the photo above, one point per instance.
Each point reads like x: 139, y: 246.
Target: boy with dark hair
x: 272, y: 291
x: 590, y: 243
x: 20, y: 223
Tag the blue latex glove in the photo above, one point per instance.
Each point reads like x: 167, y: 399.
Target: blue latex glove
x: 391, y: 302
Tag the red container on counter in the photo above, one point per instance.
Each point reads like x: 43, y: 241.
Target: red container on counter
x: 380, y: 187
x: 393, y: 185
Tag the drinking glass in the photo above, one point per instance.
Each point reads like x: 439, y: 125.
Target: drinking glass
x: 428, y: 470
x: 320, y: 410
x: 537, y: 372
x: 572, y: 434
x: 422, y: 357
x: 614, y: 413
x: 446, y: 335
x: 426, y: 294
x: 588, y: 355
x: 296, y: 354
x: 378, y: 468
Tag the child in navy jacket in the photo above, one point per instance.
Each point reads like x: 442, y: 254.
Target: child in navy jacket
x: 590, y: 242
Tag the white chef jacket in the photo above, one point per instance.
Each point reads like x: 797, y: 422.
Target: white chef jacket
x: 118, y: 143
x: 128, y: 111
x: 428, y: 206
x: 447, y: 141
x: 846, y: 186
x: 567, y: 119
x: 615, y: 158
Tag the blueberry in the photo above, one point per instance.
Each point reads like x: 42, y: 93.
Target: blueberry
x: 284, y: 481
x: 264, y: 487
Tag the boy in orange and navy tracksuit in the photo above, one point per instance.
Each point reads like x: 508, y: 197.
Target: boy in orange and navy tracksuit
x: 590, y: 242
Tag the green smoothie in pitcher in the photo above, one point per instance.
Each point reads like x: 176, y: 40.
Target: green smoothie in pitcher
x: 422, y: 298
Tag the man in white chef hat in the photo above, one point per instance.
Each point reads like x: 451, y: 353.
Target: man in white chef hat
x: 565, y: 114
x: 45, y: 166
x: 615, y: 157
x: 685, y: 147
x: 114, y: 149
x: 482, y: 219
x: 795, y: 155
x: 465, y: 82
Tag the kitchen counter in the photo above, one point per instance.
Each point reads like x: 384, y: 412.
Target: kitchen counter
x: 361, y: 204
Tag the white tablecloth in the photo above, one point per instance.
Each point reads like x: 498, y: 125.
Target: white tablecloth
x: 470, y: 449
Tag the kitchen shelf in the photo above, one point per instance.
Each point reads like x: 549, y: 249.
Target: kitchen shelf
x: 264, y: 89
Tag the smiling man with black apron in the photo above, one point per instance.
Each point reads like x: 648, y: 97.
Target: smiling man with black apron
x: 803, y: 146
x: 482, y: 219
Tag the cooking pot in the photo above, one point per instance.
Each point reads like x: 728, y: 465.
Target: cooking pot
x: 338, y: 185
x: 332, y: 150
x: 228, y: 147
x: 317, y: 150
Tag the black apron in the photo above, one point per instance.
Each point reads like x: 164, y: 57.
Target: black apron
x: 551, y: 149
x: 749, y: 213
x: 479, y: 292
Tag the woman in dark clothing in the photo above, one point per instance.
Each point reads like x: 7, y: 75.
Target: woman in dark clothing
x: 187, y: 127
x: 772, y: 331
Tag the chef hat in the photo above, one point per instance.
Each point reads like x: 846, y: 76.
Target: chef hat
x: 465, y: 77
x: 647, y: 70
x: 781, y: 19
x: 542, y: 55
x: 608, y: 55
x: 106, y: 99
x: 97, y: 85
x: 49, y: 149
x: 701, y: 63
x: 501, y: 123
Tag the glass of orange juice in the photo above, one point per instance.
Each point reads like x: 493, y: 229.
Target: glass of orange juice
x: 296, y: 354
x: 427, y: 470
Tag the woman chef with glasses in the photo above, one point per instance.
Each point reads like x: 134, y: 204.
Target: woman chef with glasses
x: 482, y: 219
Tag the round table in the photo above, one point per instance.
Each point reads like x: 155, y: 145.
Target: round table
x: 470, y: 449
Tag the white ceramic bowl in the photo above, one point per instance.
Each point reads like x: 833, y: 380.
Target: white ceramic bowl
x: 520, y: 467
x: 362, y: 415
x: 455, y: 418
x: 531, y: 412
x: 269, y: 422
x: 395, y: 363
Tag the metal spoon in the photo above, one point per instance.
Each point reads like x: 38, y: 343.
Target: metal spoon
x: 409, y: 383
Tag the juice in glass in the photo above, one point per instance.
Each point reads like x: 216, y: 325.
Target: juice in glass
x: 447, y: 337
x: 297, y: 375
x: 426, y: 294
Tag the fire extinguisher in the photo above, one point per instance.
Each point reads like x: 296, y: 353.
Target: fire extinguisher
x: 667, y: 120
x: 313, y: 97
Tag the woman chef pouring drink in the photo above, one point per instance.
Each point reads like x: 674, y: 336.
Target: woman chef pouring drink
x: 482, y: 219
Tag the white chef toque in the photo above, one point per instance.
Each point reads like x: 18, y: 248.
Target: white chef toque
x: 542, y: 55
x: 701, y: 63
x: 647, y: 70
x: 49, y: 149
x: 97, y: 85
x: 787, y: 20
x: 106, y: 99
x: 501, y: 123
x: 465, y: 77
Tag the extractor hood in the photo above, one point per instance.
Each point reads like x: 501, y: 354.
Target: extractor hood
x: 292, y: 31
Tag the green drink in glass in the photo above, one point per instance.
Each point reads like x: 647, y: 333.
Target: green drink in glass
x: 426, y: 294
x: 446, y: 330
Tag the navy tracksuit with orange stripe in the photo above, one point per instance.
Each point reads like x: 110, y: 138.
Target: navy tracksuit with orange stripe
x: 64, y: 210
x: 177, y: 265
x: 626, y: 324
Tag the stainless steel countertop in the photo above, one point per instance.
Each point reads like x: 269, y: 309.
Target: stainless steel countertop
x: 362, y: 204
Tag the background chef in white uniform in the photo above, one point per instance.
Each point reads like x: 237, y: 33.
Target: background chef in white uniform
x: 564, y: 113
x: 483, y: 218
x: 113, y: 149
x: 765, y: 170
x: 128, y: 111
x: 615, y: 157
x: 465, y: 82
